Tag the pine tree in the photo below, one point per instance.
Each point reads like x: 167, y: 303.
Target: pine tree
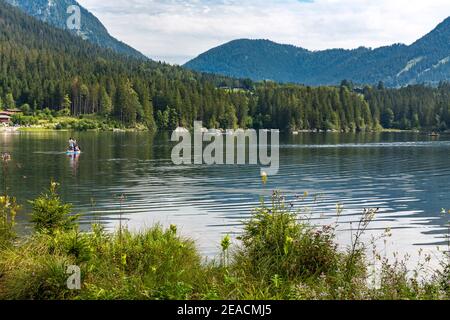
x: 10, y: 102
x: 105, y: 103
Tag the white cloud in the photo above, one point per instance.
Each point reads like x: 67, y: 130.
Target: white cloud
x: 176, y: 30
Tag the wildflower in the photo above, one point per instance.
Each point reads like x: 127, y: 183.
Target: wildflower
x: 4, y: 202
x: 226, y: 242
x: 264, y: 177
x: 287, y: 243
x: 289, y: 239
x: 388, y: 232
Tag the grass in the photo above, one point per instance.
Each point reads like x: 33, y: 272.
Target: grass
x: 279, y: 257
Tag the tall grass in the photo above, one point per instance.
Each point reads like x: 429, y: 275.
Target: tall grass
x: 8, y: 211
x: 279, y: 256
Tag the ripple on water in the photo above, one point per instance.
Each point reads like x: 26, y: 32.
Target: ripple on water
x: 405, y: 176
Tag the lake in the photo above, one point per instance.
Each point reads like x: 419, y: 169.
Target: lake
x: 405, y: 175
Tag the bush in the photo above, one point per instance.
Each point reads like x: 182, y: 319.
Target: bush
x: 45, y: 114
x: 84, y: 125
x: 21, y: 120
x: 64, y: 112
x: 50, y: 214
x: 276, y: 244
x: 26, y: 109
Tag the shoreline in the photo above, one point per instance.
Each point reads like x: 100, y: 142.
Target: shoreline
x: 142, y: 129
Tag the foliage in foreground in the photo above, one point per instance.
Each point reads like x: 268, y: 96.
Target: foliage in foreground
x: 280, y: 257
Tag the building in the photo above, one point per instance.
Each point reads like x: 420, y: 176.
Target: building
x: 4, y: 118
x: 10, y: 112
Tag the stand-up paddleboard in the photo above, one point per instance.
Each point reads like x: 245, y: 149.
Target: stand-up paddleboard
x: 72, y: 152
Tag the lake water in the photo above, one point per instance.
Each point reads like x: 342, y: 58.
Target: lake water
x: 406, y: 175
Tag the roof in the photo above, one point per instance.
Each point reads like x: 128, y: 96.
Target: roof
x: 3, y: 116
x: 7, y: 113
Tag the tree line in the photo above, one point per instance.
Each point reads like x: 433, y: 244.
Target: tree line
x: 45, y: 68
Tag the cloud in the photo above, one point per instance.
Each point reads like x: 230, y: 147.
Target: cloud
x: 177, y: 30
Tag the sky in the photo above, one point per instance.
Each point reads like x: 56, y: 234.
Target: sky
x: 176, y: 31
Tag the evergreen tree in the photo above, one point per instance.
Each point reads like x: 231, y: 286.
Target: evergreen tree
x: 10, y: 102
x: 105, y: 103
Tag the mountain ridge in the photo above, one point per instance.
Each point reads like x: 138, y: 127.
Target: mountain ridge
x: 424, y: 61
x: 55, y: 13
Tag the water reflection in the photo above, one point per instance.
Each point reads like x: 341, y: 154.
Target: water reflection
x: 405, y: 175
x: 74, y: 162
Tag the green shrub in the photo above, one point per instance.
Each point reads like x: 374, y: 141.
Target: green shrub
x: 50, y: 213
x: 45, y: 114
x: 84, y: 125
x: 21, y: 120
x: 63, y: 112
x: 276, y: 244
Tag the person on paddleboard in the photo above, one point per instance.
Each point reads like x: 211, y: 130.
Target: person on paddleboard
x: 71, y: 144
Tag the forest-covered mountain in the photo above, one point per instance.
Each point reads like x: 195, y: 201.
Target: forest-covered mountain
x: 425, y: 61
x: 44, y: 67
x: 55, y: 13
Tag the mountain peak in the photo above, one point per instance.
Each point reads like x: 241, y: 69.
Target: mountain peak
x: 444, y: 24
x: 55, y: 13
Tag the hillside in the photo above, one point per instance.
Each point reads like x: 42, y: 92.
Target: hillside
x: 425, y: 61
x: 54, y: 12
x: 48, y: 71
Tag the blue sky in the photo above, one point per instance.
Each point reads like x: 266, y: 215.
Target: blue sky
x: 176, y: 31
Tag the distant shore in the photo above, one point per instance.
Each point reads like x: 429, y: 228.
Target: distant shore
x: 98, y: 124
x: 93, y: 123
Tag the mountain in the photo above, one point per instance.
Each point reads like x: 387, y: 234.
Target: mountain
x: 46, y: 72
x: 425, y: 61
x: 55, y: 13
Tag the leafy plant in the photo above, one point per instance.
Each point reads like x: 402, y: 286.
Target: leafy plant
x: 8, y: 211
x: 50, y: 213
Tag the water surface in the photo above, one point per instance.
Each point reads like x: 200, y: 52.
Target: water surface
x: 405, y: 175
